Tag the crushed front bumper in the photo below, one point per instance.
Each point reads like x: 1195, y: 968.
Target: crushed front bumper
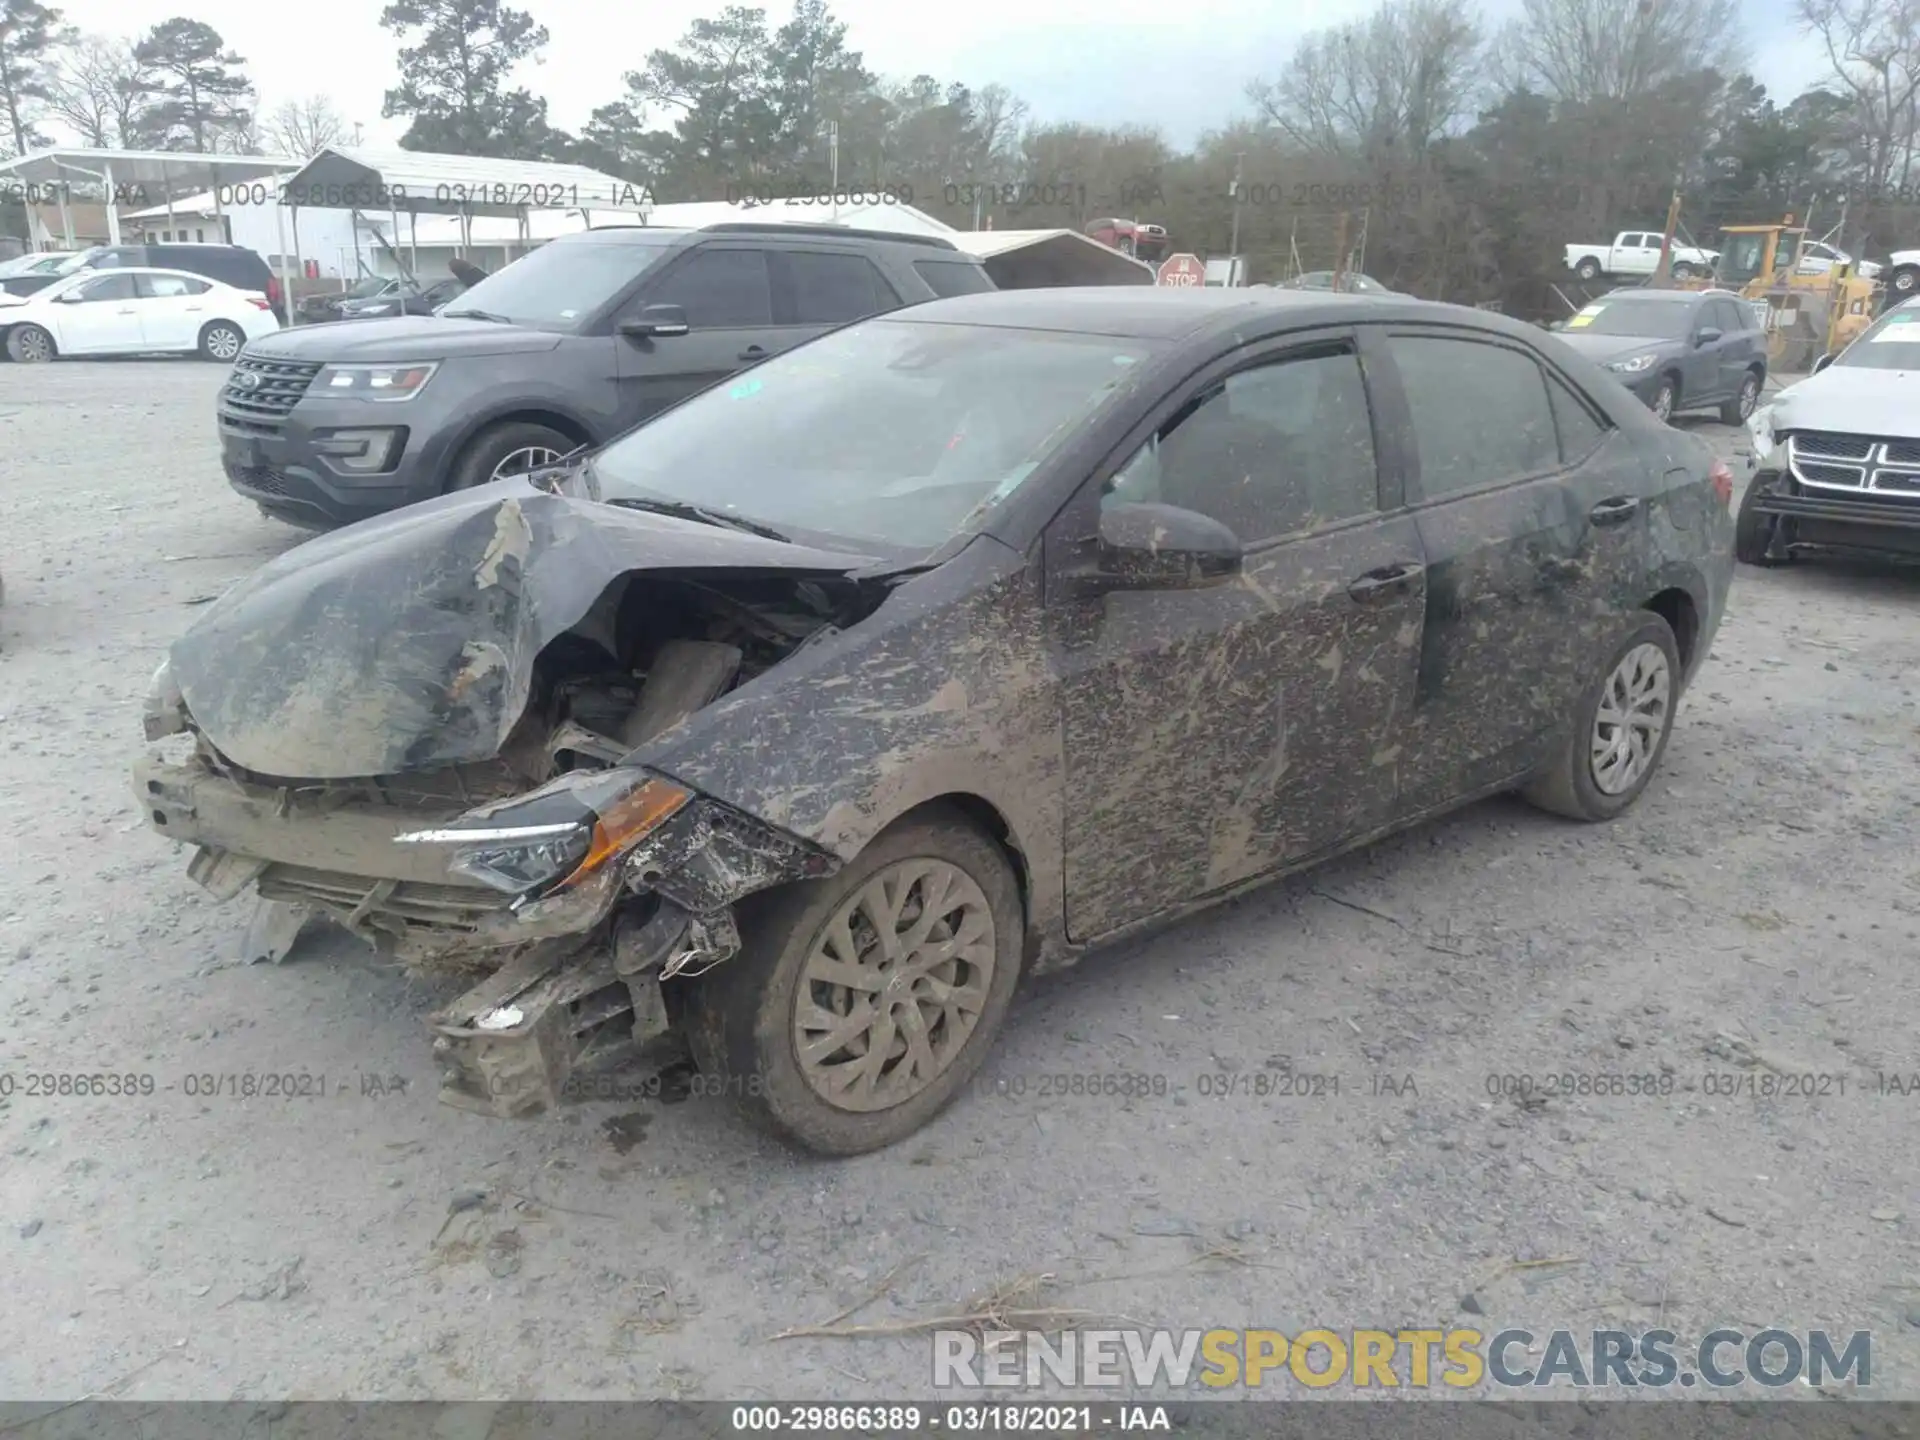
x: 1807, y: 518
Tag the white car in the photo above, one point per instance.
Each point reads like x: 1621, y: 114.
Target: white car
x: 1817, y: 258
x: 133, y: 311
x: 35, y: 262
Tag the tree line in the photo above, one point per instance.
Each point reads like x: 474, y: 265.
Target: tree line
x: 1446, y: 155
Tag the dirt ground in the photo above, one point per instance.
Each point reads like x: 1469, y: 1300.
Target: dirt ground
x: 199, y: 1242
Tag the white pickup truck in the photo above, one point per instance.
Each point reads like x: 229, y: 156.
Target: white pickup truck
x: 1636, y: 252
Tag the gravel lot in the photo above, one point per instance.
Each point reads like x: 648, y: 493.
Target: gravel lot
x: 1765, y: 896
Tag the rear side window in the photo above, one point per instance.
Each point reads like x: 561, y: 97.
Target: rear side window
x: 162, y: 287
x: 1481, y: 414
x: 1580, y: 433
x: 828, y: 288
x: 953, y: 277
x: 720, y: 290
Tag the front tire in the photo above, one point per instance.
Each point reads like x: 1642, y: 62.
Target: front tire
x: 30, y: 345
x: 1664, y: 399
x: 1904, y: 282
x: 220, y: 340
x: 1753, y: 532
x: 861, y: 1004
x: 1683, y: 271
x: 1739, y: 409
x: 1620, y: 728
x: 502, y: 451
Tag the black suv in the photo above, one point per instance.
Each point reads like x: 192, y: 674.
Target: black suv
x: 233, y: 265
x: 571, y: 345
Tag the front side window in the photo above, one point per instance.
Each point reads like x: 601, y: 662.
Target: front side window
x: 109, y: 287
x: 1481, y: 414
x: 1274, y: 450
x: 719, y: 290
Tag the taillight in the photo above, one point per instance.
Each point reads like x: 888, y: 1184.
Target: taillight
x: 1721, y: 479
x: 273, y: 287
x: 258, y: 303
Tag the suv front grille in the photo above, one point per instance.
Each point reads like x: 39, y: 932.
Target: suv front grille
x: 268, y: 388
x: 1863, y: 464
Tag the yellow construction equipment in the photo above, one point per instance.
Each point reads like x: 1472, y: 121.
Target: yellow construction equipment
x: 1807, y: 315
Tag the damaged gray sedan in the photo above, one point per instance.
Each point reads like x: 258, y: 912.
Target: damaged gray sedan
x: 803, y: 721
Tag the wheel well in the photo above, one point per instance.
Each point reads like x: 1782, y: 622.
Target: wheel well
x: 552, y: 421
x: 988, y: 817
x: 1676, y: 607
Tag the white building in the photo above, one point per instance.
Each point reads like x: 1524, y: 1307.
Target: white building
x: 248, y: 215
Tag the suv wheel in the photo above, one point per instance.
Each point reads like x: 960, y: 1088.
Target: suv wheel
x: 221, y: 341
x: 502, y: 451
x: 1740, y: 408
x: 1619, y: 730
x: 1664, y: 398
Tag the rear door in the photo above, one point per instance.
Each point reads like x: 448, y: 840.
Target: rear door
x: 172, y: 309
x: 816, y: 290
x: 727, y: 292
x: 1213, y: 735
x: 1532, y: 515
x: 1630, y: 255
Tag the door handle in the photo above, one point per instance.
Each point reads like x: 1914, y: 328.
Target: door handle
x: 1614, y: 511
x: 195, y: 309
x: 1388, y: 580
x: 753, y: 352
x: 126, y: 312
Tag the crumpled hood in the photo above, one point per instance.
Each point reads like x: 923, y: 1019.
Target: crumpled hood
x: 1852, y: 400
x: 407, y: 641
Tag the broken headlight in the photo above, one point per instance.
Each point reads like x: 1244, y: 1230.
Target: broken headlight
x: 163, y: 712
x: 556, y: 836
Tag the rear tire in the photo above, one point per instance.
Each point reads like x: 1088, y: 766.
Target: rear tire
x: 30, y: 345
x: 496, y: 451
x: 1753, y: 532
x: 745, y: 1018
x: 221, y: 340
x: 1740, y: 408
x: 1620, y: 728
x: 1588, y: 269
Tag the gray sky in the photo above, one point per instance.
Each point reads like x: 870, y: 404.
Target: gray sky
x: 1181, y: 66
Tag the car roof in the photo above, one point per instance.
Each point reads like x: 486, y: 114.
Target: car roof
x: 1669, y: 296
x: 1165, y: 313
x: 144, y: 270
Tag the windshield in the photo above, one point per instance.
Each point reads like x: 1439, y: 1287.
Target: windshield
x: 559, y: 285
x: 892, y: 432
x: 1633, y: 316
x: 1891, y: 343
x: 367, y: 288
x: 31, y: 263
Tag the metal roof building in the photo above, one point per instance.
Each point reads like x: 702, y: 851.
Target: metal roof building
x: 1036, y: 259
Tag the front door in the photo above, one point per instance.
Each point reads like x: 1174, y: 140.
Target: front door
x: 1532, y: 528
x: 105, y: 319
x: 727, y: 293
x: 1214, y: 735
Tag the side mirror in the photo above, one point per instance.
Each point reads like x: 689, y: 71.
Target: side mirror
x: 69, y: 297
x: 1822, y: 363
x: 1162, y: 547
x: 1707, y: 336
x: 656, y: 321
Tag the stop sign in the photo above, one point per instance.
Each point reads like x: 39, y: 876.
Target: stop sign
x: 1182, y: 270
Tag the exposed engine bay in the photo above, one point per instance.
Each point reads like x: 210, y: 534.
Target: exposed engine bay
x: 559, y: 868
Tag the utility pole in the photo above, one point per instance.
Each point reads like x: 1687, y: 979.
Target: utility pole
x: 833, y: 163
x: 356, y: 134
x: 1663, y: 272
x: 1233, y: 193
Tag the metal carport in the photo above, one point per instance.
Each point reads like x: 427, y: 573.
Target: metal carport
x: 116, y: 171
x: 419, y: 182
x: 1036, y: 259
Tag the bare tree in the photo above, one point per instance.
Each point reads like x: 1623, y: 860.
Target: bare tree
x: 303, y: 128
x: 98, y: 90
x: 1395, y: 82
x: 1873, y: 47
x: 1581, y: 51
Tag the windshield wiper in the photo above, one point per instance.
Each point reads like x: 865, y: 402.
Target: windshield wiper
x: 475, y: 315
x: 687, y: 510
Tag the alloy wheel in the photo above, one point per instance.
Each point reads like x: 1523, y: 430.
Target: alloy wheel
x: 34, y: 345
x: 1633, y: 714
x: 1749, y: 396
x: 894, y: 985
x: 519, y: 462
x: 1663, y: 403
x: 223, y: 343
